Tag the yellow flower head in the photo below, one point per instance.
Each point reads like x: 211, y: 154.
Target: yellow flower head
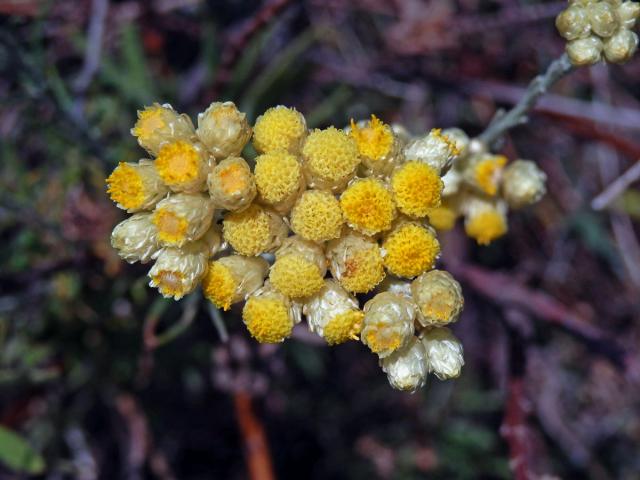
x: 172, y: 228
x: 438, y: 297
x: 223, y: 129
x: 388, y: 323
x: 254, y: 230
x: 330, y: 158
x: 356, y: 262
x: 442, y: 218
x: 219, y: 286
x: 182, y: 218
x: 279, y: 128
x: 368, y: 206
x: 316, y: 216
x: 135, y: 186
x: 230, y: 279
x: 410, y: 250
x: 374, y: 139
x: 231, y: 184
x: 417, y: 188
x: 343, y: 327
x: 269, y: 315
x: 160, y: 124
x: 487, y: 172
x: 178, y: 271
x: 295, y: 276
x: 485, y: 226
x: 182, y: 166
x: 278, y: 177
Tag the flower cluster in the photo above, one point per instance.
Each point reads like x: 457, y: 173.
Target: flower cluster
x: 599, y: 28
x: 480, y: 187
x: 316, y: 219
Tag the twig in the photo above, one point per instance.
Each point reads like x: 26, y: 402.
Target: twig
x: 93, y: 52
x: 218, y: 322
x: 518, y: 114
x: 616, y: 188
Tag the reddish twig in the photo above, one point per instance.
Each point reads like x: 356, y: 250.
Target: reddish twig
x: 514, y: 429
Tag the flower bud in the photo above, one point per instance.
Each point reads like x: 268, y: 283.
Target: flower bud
x: 485, y: 220
x: 402, y: 135
x: 621, y: 46
x: 443, y: 218
x: 330, y: 158
x: 388, y: 323
x: 183, y: 166
x: 279, y: 180
x: 484, y: 172
x: 231, y: 184
x: 135, y: 186
x: 407, y: 368
x: 355, y: 261
x: 254, y: 230
x: 444, y: 352
x: 316, y: 216
x: 136, y: 238
x: 438, y: 297
x: 279, y: 128
x: 269, y: 315
x: 628, y: 13
x: 233, y: 278
x: 182, y: 218
x: 416, y: 187
x: 368, y: 206
x: 378, y: 146
x: 161, y: 124
x: 523, y: 183
x: 434, y: 149
x: 410, y: 249
x: 299, y: 268
x: 460, y: 140
x: 603, y: 20
x: 223, y: 129
x: 573, y: 23
x: 178, y: 271
x: 585, y: 51
x: 451, y: 181
x: 397, y: 286
x: 333, y: 314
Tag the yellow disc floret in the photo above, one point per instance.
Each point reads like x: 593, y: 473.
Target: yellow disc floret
x: 487, y: 173
x: 295, y: 276
x: 316, y: 216
x: 180, y: 165
x: 374, y: 140
x: 172, y: 228
x: 267, y: 319
x: 368, y: 206
x: 251, y: 231
x: 125, y: 187
x: 343, y: 327
x: 486, y: 226
x: 410, y: 250
x: 170, y: 283
x: 442, y: 218
x: 330, y: 156
x: 363, y: 270
x: 278, y: 176
x: 279, y: 128
x: 453, y: 147
x: 219, y: 286
x: 150, y: 120
x: 417, y: 188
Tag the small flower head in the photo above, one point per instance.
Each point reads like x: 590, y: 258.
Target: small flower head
x: 279, y: 128
x: 621, y: 46
x: 443, y: 218
x: 407, y: 368
x: 410, y: 249
x: 585, y: 51
x: 459, y: 138
x: 438, y: 297
x: 316, y: 216
x: 279, y: 179
x: 416, y: 188
x: 485, y: 220
x: 269, y: 315
x: 182, y: 166
x: 299, y: 268
x: 484, y: 172
x: 182, y: 218
x: 368, y: 206
x: 334, y: 314
x: 178, y: 271
x: 356, y: 262
x: 232, y: 279
x: 223, y: 129
x: 135, y: 186
x: 628, y: 13
x: 160, y: 124
x: 397, y: 286
x: 434, y: 149
x: 378, y: 146
x: 573, y: 22
x: 136, y: 238
x: 330, y: 158
x: 603, y: 18
x: 523, y: 183
x: 444, y: 352
x: 254, y: 230
x: 388, y: 323
x: 231, y: 184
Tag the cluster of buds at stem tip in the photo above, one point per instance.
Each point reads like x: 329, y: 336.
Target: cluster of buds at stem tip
x: 316, y: 219
x: 599, y: 29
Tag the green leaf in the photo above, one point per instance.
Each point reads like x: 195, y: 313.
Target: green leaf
x: 17, y: 454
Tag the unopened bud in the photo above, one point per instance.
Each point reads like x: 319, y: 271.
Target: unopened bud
x: 388, y: 323
x: 231, y: 184
x: 438, y: 297
x: 233, y: 278
x: 444, y: 352
x: 523, y: 183
x: 223, y: 129
x: 136, y: 238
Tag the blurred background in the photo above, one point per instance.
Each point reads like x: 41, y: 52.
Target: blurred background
x: 101, y: 378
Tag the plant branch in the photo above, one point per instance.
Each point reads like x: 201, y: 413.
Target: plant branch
x: 518, y: 114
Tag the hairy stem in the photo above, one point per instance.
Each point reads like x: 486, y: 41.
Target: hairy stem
x: 518, y: 114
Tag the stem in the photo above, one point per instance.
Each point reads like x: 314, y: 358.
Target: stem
x: 518, y: 114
